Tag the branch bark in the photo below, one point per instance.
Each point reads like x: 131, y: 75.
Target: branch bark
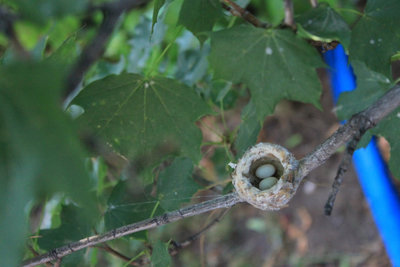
x: 289, y: 13
x: 344, y: 165
x: 238, y: 11
x: 217, y: 203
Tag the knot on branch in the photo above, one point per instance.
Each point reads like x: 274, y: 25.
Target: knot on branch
x: 249, y: 177
x: 54, y: 255
x: 361, y: 123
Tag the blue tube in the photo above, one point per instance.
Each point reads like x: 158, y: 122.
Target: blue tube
x: 372, y: 172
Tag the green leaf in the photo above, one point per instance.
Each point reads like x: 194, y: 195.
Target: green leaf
x: 274, y: 11
x: 40, y: 152
x: 248, y: 131
x: 175, y: 184
x: 275, y: 64
x: 39, y: 49
x: 376, y: 37
x: 223, y: 95
x: 124, y: 208
x: 192, y: 63
x: 371, y: 86
x: 42, y: 10
x: 65, y: 55
x: 324, y: 24
x: 160, y: 256
x: 199, y: 16
x: 135, y: 114
x: 72, y: 228
x: 158, y: 4
x: 143, y: 44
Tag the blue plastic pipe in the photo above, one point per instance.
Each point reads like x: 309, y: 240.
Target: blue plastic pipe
x: 372, y: 172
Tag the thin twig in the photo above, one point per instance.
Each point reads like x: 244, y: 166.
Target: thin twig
x: 118, y: 254
x: 94, y: 50
x: 177, y: 246
x: 217, y: 203
x: 344, y: 165
x: 289, y: 14
x: 238, y: 11
x: 363, y: 120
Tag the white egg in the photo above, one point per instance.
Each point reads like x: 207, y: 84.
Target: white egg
x: 265, y: 171
x: 267, y: 183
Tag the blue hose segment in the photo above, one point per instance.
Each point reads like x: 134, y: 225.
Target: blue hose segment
x: 342, y: 77
x: 382, y: 196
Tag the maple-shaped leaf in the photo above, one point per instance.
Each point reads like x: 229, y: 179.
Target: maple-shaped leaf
x: 376, y: 37
x: 275, y: 64
x: 136, y: 114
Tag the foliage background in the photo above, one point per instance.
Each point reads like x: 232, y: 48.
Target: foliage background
x: 43, y: 179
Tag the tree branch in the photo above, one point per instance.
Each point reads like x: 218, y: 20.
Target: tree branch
x: 93, y: 51
x: 238, y: 11
x: 118, y: 254
x: 365, y: 119
x: 177, y: 246
x: 217, y: 203
x: 289, y: 13
x: 344, y: 165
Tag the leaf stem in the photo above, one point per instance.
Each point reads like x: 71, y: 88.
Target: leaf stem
x: 154, y: 209
x: 154, y: 65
